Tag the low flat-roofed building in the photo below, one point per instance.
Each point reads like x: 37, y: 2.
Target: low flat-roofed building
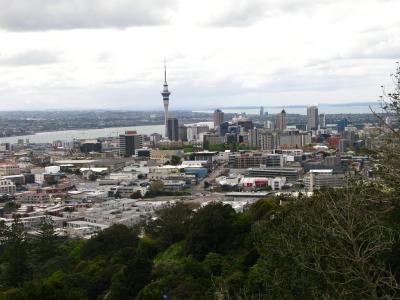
x: 254, y: 160
x: 87, y: 172
x: 77, y: 162
x: 163, y: 171
x: 254, y: 183
x: 123, y: 176
x: 16, y: 179
x: 291, y: 174
x: 125, y: 191
x: 83, y: 229
x: 194, y: 164
x: 174, y: 185
x: 250, y: 195
x: 31, y: 223
x: 209, y: 156
x: 316, y: 179
x: 165, y: 155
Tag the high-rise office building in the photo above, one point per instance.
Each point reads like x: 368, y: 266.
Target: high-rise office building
x: 280, y: 122
x: 155, y: 138
x: 223, y: 128
x: 312, y: 117
x: 165, y: 94
x: 343, y: 144
x: 245, y: 124
x: 269, y: 125
x: 218, y: 117
x: 261, y: 111
x: 268, y: 140
x: 194, y: 131
x: 90, y: 146
x: 172, y: 129
x: 294, y: 139
x: 182, y: 132
x: 322, y: 121
x: 253, y: 137
x: 342, y: 124
x: 129, y: 142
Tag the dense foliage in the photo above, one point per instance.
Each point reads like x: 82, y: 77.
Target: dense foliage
x: 338, y: 244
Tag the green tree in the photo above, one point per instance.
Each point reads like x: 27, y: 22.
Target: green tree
x: 329, y: 246
x: 11, y: 207
x: 109, y: 241
x: 210, y: 230
x: 170, y: 225
x: 15, y: 256
x: 175, y: 160
x: 127, y: 283
x: 263, y: 208
x: 45, y: 246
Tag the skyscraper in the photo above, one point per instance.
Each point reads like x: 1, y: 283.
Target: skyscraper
x: 312, y: 117
x: 165, y: 94
x: 218, y: 117
x: 322, y: 121
x: 182, y: 132
x: 342, y: 124
x: 223, y: 128
x: 281, y: 120
x: 172, y: 129
x: 129, y: 142
x: 261, y: 111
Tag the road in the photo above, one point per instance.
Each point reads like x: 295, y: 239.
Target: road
x: 199, y: 188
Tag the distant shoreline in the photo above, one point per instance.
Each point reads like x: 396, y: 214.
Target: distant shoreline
x: 374, y: 104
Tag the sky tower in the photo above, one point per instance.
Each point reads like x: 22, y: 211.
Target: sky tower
x: 165, y: 94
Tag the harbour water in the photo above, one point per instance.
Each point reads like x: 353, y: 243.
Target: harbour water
x: 69, y: 135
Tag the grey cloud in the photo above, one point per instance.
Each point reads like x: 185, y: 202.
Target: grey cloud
x: 42, y: 15
x: 247, y: 12
x: 30, y: 58
x: 241, y: 15
x: 376, y: 48
x: 389, y: 53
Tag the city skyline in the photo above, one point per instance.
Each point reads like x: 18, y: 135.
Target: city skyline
x: 219, y: 54
x: 263, y: 164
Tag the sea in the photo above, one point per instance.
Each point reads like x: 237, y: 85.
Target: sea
x: 69, y: 135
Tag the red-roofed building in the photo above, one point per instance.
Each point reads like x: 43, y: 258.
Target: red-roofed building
x: 9, y: 168
x: 333, y: 141
x: 32, y: 197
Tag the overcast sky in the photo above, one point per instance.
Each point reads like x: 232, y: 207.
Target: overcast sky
x: 109, y: 53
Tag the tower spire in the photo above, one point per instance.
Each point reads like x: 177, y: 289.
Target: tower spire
x: 165, y: 95
x: 165, y: 71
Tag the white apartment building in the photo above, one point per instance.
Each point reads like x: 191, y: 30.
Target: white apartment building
x: 315, y: 179
x: 7, y: 187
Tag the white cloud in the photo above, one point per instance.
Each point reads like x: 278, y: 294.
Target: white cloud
x: 219, y: 53
x: 38, y: 15
x: 30, y: 58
